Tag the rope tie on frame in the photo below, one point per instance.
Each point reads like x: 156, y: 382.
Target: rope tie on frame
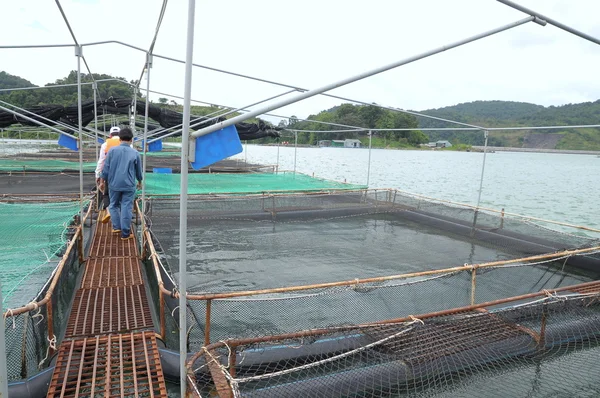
x: 12, y: 315
x: 38, y: 314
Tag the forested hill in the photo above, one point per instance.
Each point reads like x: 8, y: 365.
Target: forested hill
x: 11, y: 81
x: 481, y: 113
x: 59, y: 95
x: 508, y: 113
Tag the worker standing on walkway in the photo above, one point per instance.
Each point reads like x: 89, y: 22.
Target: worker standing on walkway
x: 103, y: 194
x: 123, y: 166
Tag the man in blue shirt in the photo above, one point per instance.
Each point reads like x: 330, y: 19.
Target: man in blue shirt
x: 122, y: 167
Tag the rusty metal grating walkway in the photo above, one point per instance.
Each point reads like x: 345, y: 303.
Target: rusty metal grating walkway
x: 110, y: 348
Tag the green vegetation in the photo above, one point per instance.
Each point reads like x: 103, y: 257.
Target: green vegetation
x: 507, y: 113
x: 481, y: 113
x: 60, y: 95
x: 367, y: 116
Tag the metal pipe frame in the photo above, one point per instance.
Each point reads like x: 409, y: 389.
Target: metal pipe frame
x: 189, y: 54
x: 145, y: 139
x: 311, y: 93
x: 276, y: 83
x: 550, y: 21
x: 466, y: 267
x: 485, y: 145
x: 95, y: 88
x: 359, y: 129
x: 78, y: 54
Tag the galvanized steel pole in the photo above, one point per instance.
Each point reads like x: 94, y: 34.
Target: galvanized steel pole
x: 185, y: 135
x: 94, y: 87
x: 369, y: 164
x: 542, y: 19
x: 482, y: 168
x: 277, y: 164
x: 78, y: 54
x: 331, y: 86
x: 295, y: 150
x: 145, y: 144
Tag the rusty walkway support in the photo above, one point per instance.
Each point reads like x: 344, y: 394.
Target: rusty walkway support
x: 109, y: 348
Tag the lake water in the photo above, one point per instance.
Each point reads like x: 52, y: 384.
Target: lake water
x: 560, y: 187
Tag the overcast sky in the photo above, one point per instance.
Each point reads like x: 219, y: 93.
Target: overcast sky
x: 311, y: 43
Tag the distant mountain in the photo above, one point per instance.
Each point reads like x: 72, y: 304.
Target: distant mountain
x: 508, y: 113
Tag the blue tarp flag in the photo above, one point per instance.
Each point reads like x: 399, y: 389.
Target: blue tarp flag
x: 216, y: 146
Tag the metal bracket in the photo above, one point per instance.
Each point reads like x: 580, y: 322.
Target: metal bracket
x: 78, y: 51
x: 192, y: 150
x: 148, y: 60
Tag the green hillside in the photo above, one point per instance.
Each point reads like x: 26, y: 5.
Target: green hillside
x: 508, y: 113
x: 481, y: 113
x: 11, y: 81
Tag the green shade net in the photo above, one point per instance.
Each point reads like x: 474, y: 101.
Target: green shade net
x: 217, y: 183
x: 44, y: 165
x: 32, y: 235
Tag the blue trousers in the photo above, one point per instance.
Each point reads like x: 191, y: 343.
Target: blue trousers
x: 121, y: 211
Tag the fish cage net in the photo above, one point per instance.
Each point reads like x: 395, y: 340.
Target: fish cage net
x: 223, y: 183
x: 542, y: 347
x: 247, y: 243
x: 32, y: 336
x: 35, y: 231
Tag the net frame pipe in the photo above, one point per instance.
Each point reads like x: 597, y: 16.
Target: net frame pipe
x: 551, y: 21
x: 359, y: 129
x: 78, y: 54
x: 467, y: 267
x: 144, y: 141
x: 311, y: 93
x: 294, y: 88
x: 95, y: 88
x: 183, y: 197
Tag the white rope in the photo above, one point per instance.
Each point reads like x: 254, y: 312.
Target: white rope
x: 52, y: 344
x: 173, y: 312
x: 38, y: 314
x: 327, y: 360
x: 12, y: 315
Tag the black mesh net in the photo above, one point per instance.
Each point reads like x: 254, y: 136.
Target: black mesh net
x: 540, y: 348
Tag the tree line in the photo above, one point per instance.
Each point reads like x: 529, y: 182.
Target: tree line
x: 365, y: 116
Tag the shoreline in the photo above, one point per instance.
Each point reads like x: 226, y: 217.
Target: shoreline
x: 538, y: 150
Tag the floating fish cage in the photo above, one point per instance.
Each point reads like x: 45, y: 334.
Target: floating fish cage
x: 274, y: 264
x: 537, y: 345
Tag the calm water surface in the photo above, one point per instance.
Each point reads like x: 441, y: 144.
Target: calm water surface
x: 561, y: 187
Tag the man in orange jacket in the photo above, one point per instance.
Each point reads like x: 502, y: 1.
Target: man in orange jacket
x: 111, y: 142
